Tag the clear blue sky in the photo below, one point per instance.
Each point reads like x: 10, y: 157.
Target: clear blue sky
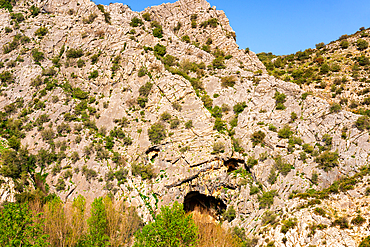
x: 284, y: 27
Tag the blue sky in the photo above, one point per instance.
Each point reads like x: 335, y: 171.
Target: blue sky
x: 284, y: 27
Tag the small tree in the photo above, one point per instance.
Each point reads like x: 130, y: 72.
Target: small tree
x: 19, y: 228
x: 172, y: 227
x: 157, y: 133
x: 362, y: 44
x: 98, y: 224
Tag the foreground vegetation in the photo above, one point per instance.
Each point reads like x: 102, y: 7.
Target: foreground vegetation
x: 108, y: 223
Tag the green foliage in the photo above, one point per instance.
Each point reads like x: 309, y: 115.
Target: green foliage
x: 258, y: 137
x: 79, y: 93
x: 362, y: 44
x: 185, y: 38
x: 335, y: 108
x: 98, y: 224
x: 229, y: 214
x: 6, y: 4
x: 157, y: 133
x: 174, y: 123
x: 158, y: 32
x: 144, y: 171
x: 18, y: 227
x: 220, y: 125
x: 142, y: 71
x: 166, y: 116
x: 285, y: 132
x: 207, y: 101
x: 327, y: 160
x: 172, y: 227
x: 189, y: 124
x: 344, y: 44
x: 74, y: 53
x: 211, y: 22
x: 365, y: 242
x: 281, y: 165
x: 239, y: 107
x: 218, y: 147
x: 218, y: 63
x: 34, y: 10
x: 228, y: 81
x: 272, y: 176
x: 280, y: 99
x: 15, y: 163
x: 160, y: 50
x: 342, y: 222
x: 37, y: 55
x: 358, y: 220
x: 135, y: 22
x: 146, y: 16
x: 288, y: 224
x: 94, y: 74
x: 106, y: 14
x: 145, y: 89
x: 42, y: 31
x: 267, y: 198
x: 363, y: 60
x: 363, y: 123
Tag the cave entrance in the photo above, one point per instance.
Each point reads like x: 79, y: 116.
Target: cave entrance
x: 232, y: 164
x: 194, y: 201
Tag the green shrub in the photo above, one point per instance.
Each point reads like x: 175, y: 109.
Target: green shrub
x: 342, y: 222
x: 160, y: 50
x: 145, y: 89
x: 280, y: 99
x: 335, y: 108
x: 254, y: 190
x: 37, y: 55
x: 327, y: 160
x: 218, y: 63
x: 229, y: 214
x: 166, y: 116
x: 172, y: 227
x: 158, y: 32
x: 365, y: 242
x: 344, y: 44
x: 135, y: 22
x: 228, y: 81
x: 74, y: 53
x: 19, y: 226
x: 144, y: 171
x: 281, y: 165
x: 142, y: 71
x: 89, y: 173
x: 285, y: 132
x: 358, y: 220
x: 80, y: 63
x: 362, y: 44
x: 146, y: 16
x: 174, y: 123
x: 272, y: 176
x: 189, y: 124
x: 218, y: 147
x: 90, y: 19
x: 258, y: 137
x: 219, y: 125
x: 239, y: 107
x: 6, y: 4
x: 363, y: 123
x: 94, y: 74
x: 142, y: 101
x: 42, y: 31
x: 288, y: 224
x: 157, y: 133
x: 267, y: 198
x: 211, y: 22
x: 186, y: 39
x: 207, y: 101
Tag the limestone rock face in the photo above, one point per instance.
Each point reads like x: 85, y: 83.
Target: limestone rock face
x: 86, y: 116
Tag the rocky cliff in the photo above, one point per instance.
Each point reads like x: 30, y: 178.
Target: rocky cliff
x: 162, y: 106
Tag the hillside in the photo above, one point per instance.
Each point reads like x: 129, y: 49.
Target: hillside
x: 161, y: 106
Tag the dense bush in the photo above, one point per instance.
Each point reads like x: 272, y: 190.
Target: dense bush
x: 211, y: 22
x: 327, y: 160
x: 42, y: 31
x: 146, y: 16
x: 37, y: 55
x: 344, y: 44
x: 157, y: 133
x: 172, y: 227
x: 257, y: 137
x: 93, y: 74
x: 229, y: 214
x: 74, y: 53
x: 239, y: 107
x: 267, y: 198
x: 280, y: 99
x: 135, y: 22
x: 285, y: 132
x: 228, y: 81
x: 281, y: 165
x: 185, y: 38
x: 362, y: 44
x: 288, y: 224
x: 363, y: 123
x: 218, y: 147
x: 144, y: 171
x: 189, y: 124
x: 160, y: 50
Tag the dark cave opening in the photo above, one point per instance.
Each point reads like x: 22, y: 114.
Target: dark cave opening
x: 232, y: 164
x: 205, y: 204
